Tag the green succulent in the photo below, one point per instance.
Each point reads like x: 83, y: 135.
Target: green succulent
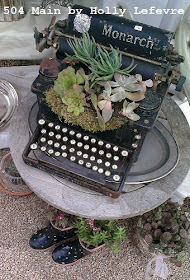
x: 75, y: 100
x: 67, y: 78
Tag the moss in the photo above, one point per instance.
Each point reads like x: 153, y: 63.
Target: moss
x: 87, y: 120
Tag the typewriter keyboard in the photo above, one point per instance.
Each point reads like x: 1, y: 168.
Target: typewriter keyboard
x: 80, y: 157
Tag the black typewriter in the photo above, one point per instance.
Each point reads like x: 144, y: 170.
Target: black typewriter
x: 101, y: 160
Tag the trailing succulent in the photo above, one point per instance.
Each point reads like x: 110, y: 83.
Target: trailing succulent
x: 166, y: 229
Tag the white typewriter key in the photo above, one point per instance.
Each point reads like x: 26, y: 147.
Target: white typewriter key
x: 86, y: 138
x: 73, y: 142
x: 85, y: 156
x: 65, y: 139
x: 99, y: 161
x: 57, y: 154
x: 138, y: 137
x: 115, y: 148
x: 50, y: 142
x: 64, y: 130
x: 50, y: 124
x: 107, y: 173
x: 78, y: 135
x: 101, y: 152
x: 79, y: 144
x: 72, y: 158
x: 81, y: 162
x: 108, y: 155
x: 100, y: 143
x: 100, y: 170
x: 79, y: 153
x: 58, y: 136
x: 88, y: 164
x: 51, y: 133
x: 95, y: 168
x: 63, y: 147
x: 124, y: 153
x: 94, y: 150
x: 51, y: 151
x: 43, y: 131
x: 86, y: 147
x: 116, y: 178
x: 92, y: 158
x: 93, y: 140
x: 33, y: 146
x: 134, y: 145
x: 108, y: 146
x: 41, y: 122
x: 72, y: 132
x: 43, y: 149
x: 56, y: 145
x: 107, y: 163
x: 43, y: 139
x: 114, y: 166
x: 71, y: 150
x: 64, y: 154
x: 116, y: 158
x: 57, y: 127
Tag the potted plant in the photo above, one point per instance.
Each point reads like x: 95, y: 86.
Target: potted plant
x: 95, y: 234
x: 166, y: 230
x: 60, y: 220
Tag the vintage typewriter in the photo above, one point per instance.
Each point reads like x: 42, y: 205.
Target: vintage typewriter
x: 100, y: 161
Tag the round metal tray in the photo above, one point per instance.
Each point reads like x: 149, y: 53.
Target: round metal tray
x: 158, y: 157
x: 8, y: 102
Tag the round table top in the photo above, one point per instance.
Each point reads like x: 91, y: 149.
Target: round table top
x: 79, y: 201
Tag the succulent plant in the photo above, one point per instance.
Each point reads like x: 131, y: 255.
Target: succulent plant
x: 166, y: 229
x: 58, y: 218
x: 75, y: 100
x: 128, y: 109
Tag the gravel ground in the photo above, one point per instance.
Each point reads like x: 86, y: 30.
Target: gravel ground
x: 22, y: 216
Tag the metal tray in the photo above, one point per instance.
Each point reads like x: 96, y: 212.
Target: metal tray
x: 158, y: 157
x: 8, y: 102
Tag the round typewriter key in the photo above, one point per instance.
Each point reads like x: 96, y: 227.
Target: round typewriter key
x: 124, y: 153
x: 63, y: 147
x: 56, y: 145
x: 116, y: 158
x: 50, y: 142
x: 92, y: 158
x: 115, y: 148
x: 107, y: 163
x: 99, y: 161
x: 101, y: 152
x: 116, y: 178
x: 114, y: 166
x: 41, y: 122
x: 135, y: 130
x: 57, y: 127
x: 79, y: 153
x: 51, y: 133
x: 94, y: 150
x: 88, y: 164
x: 64, y: 130
x: 58, y: 136
x: 134, y: 145
x: 71, y: 150
x: 43, y: 139
x: 93, y: 140
x: 100, y: 170
x: 65, y: 139
x: 95, y: 168
x: 138, y: 137
x: 85, y: 156
x: 50, y: 151
x: 43, y: 149
x: 79, y: 144
x: 107, y: 173
x: 73, y: 142
x: 72, y: 158
x: 86, y: 138
x: 108, y: 155
x: 108, y: 146
x: 86, y: 147
x: 64, y: 154
x: 57, y: 154
x: 43, y: 131
x: 100, y: 143
x: 72, y: 132
x: 50, y: 124
x: 78, y: 135
x: 33, y: 146
x: 81, y: 162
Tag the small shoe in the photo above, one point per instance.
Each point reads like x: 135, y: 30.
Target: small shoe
x: 48, y: 237
x: 68, y: 253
